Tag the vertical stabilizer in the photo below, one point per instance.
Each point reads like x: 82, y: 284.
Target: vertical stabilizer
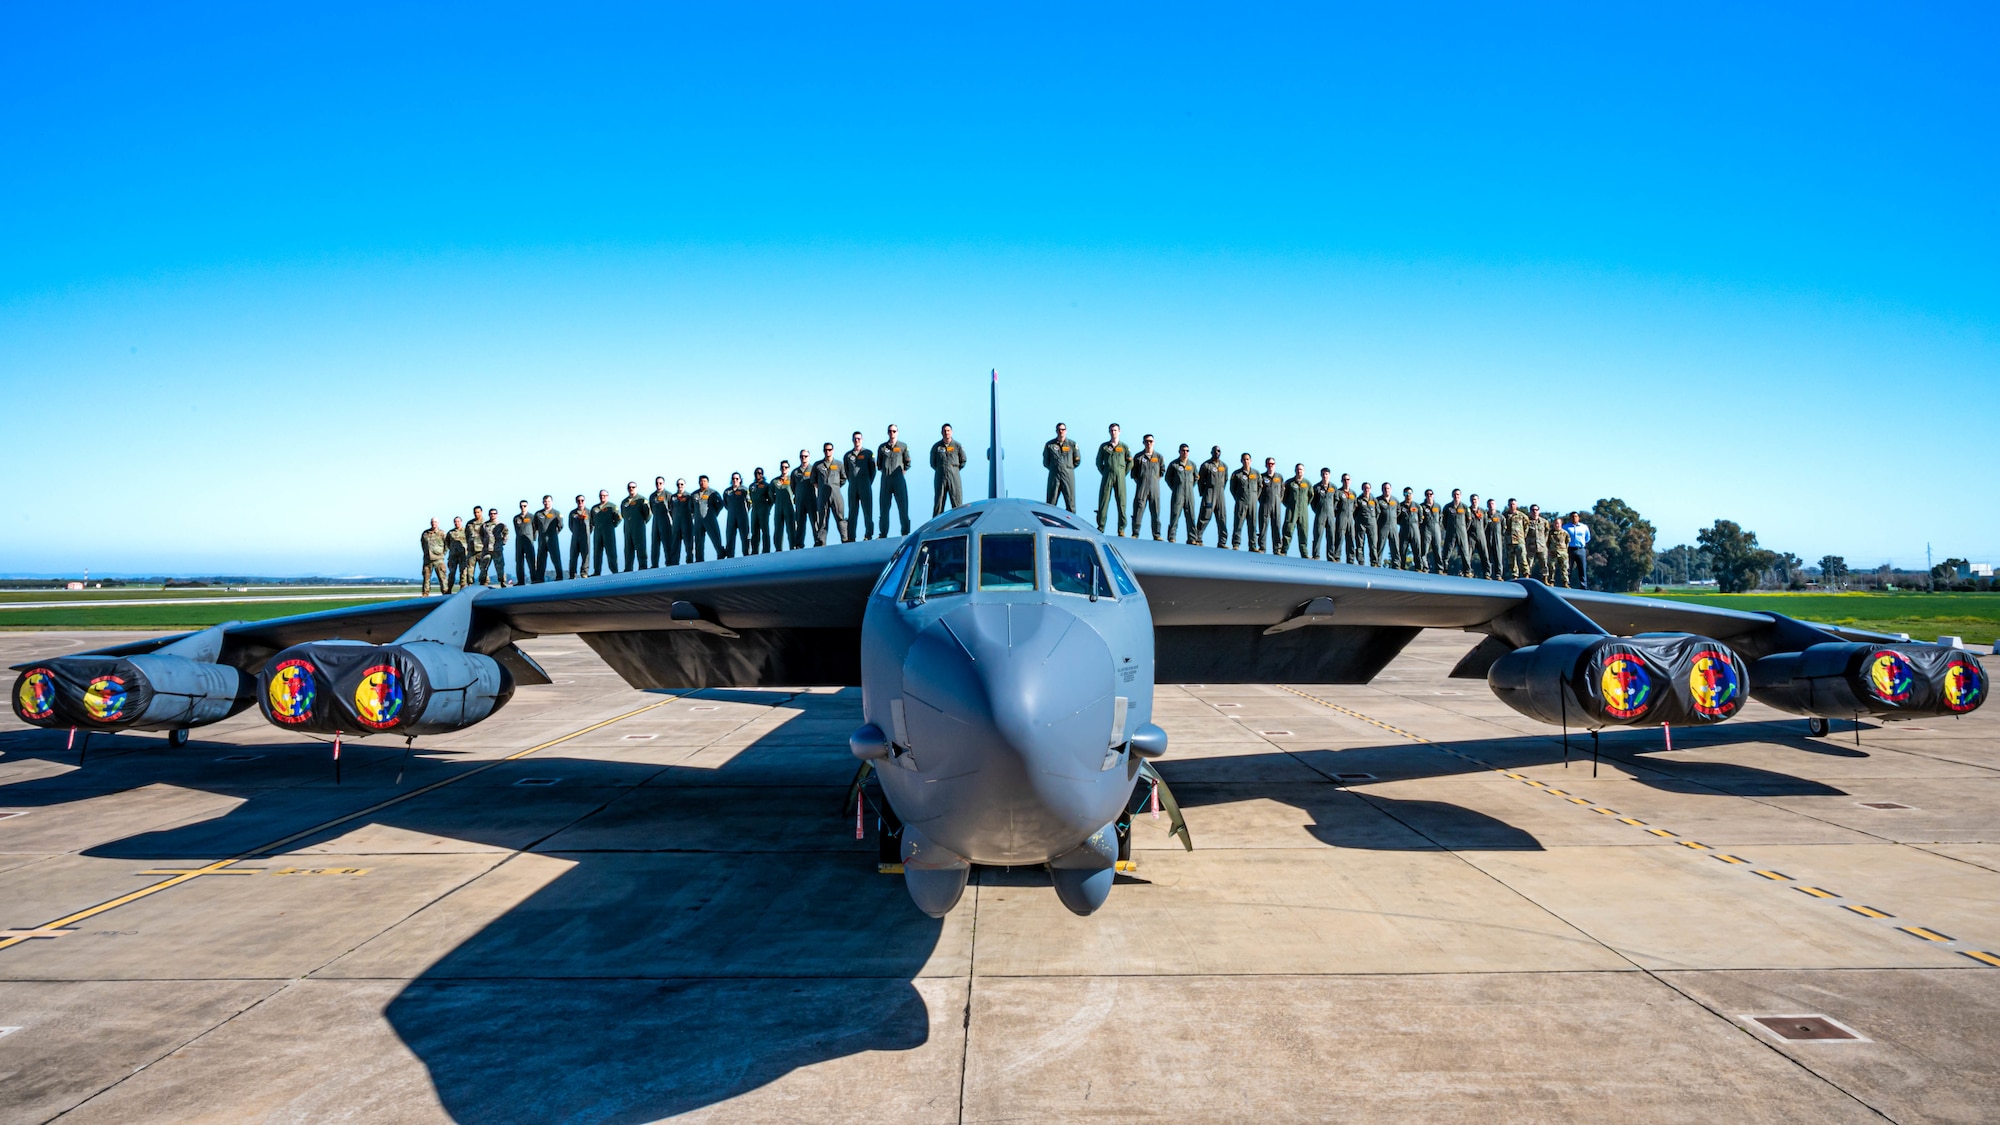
x: 996, y: 457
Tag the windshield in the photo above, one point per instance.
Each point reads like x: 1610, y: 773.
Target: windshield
x: 939, y: 569
x: 892, y: 573
x: 1074, y: 569
x: 1007, y: 562
x: 1125, y: 584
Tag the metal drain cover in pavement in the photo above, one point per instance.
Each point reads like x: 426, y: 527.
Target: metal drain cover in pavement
x: 1882, y: 805
x: 640, y: 737
x: 1275, y: 733
x: 239, y: 757
x: 538, y: 781
x: 1804, y: 1027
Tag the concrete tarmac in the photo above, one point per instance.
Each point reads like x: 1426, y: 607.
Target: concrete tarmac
x: 616, y: 906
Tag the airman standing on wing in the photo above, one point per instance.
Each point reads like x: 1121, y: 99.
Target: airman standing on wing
x: 1298, y: 511
x: 1476, y: 540
x: 1060, y: 458
x: 524, y: 545
x: 827, y: 479
x: 579, y: 540
x: 1496, y: 542
x: 1410, y: 531
x: 806, y: 496
x: 477, y: 549
x: 1213, y: 479
x: 457, y: 556
x: 1147, y: 469
x: 633, y: 513
x: 761, y: 495
x: 1555, y: 545
x: 662, y: 535
x: 548, y: 540
x: 603, y: 534
x: 1271, y: 508
x: 1326, y: 516
x: 736, y: 510
x: 1114, y: 461
x: 1367, y: 549
x: 1457, y: 528
x: 1537, y: 543
x: 1430, y: 539
x: 784, y: 509
x: 1182, y: 486
x: 1245, y: 486
x: 433, y: 543
x: 706, y: 504
x: 682, y: 504
x: 947, y: 458
x: 496, y: 546
x: 1387, y: 526
x: 859, y: 466
x: 1345, y: 544
x: 892, y: 460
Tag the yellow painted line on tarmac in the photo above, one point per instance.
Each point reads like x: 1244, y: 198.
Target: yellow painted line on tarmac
x: 213, y: 868
x: 1774, y: 876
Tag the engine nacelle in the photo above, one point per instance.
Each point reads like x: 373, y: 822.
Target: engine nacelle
x: 112, y: 693
x: 351, y: 687
x: 1841, y: 679
x: 1589, y: 680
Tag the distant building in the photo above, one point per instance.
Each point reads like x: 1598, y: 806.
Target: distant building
x: 1976, y: 570
x: 72, y: 585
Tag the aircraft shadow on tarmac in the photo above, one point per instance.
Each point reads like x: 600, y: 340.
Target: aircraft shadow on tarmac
x: 716, y: 925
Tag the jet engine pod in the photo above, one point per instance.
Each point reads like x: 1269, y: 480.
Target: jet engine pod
x: 420, y: 687
x: 1839, y: 678
x: 112, y: 693
x: 1598, y: 681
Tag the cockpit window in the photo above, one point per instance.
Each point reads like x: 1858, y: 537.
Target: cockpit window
x: 1007, y: 562
x: 938, y: 569
x: 1124, y: 577
x: 1074, y: 569
x: 966, y: 520
x: 1056, y: 521
x: 892, y: 573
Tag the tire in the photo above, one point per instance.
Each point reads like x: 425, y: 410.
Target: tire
x: 1818, y: 726
x: 177, y: 738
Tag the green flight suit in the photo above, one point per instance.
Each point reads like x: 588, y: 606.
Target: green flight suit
x: 1298, y: 515
x: 603, y: 537
x: 892, y: 461
x: 1326, y: 518
x: 761, y: 495
x: 1182, y: 489
x: 548, y: 543
x: 1270, y: 512
x: 1245, y: 485
x: 1146, y: 470
x: 634, y: 514
x: 859, y: 465
x: 1388, y: 542
x: 1060, y: 458
x: 1457, y: 528
x: 947, y: 458
x: 1409, y: 535
x: 661, y: 535
x: 524, y: 546
x: 1213, y: 479
x: 1430, y: 547
x: 1114, y: 461
x: 784, y: 511
x: 579, y: 542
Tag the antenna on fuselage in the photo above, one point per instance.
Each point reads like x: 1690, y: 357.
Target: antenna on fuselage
x: 996, y: 480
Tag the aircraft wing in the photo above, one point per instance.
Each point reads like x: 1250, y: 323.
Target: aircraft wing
x: 790, y: 619
x: 1234, y: 617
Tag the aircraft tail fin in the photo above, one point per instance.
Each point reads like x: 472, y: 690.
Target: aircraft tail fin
x: 996, y: 477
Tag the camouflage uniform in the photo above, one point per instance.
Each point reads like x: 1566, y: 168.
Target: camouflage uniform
x: 477, y: 551
x: 1515, y: 521
x: 433, y: 543
x: 1556, y: 544
x: 457, y: 559
x: 496, y: 548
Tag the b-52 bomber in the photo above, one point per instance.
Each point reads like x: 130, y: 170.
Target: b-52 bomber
x: 1007, y: 656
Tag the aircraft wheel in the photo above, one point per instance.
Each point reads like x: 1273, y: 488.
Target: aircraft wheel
x: 177, y: 737
x: 1818, y: 726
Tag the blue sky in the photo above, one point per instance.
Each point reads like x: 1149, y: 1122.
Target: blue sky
x: 280, y: 285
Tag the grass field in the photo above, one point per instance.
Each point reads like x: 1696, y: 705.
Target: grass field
x: 129, y: 593
x: 1925, y: 617
x: 194, y: 614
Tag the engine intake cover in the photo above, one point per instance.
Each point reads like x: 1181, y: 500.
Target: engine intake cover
x: 421, y: 687
x: 112, y: 693
x: 1839, y: 679
x: 1596, y: 681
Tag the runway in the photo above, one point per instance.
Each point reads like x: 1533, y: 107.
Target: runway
x: 618, y: 906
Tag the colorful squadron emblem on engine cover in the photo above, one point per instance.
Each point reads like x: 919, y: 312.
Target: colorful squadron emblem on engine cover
x: 36, y: 698
x: 292, y: 692
x: 1964, y: 685
x: 104, y: 699
x: 1713, y: 685
x: 378, y: 698
x: 1891, y: 678
x: 1626, y: 685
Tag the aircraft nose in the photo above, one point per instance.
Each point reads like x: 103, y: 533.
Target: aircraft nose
x: 1020, y: 697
